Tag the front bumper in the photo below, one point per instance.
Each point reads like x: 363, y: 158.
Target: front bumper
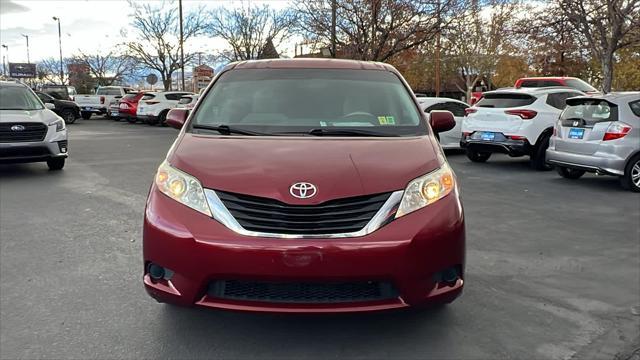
x: 602, y: 163
x: 407, y: 253
x: 54, y: 146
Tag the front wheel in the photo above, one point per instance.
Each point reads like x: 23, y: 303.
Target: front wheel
x: 68, y: 116
x: 478, y: 156
x: 56, y: 163
x: 631, y: 178
x: 85, y: 115
x: 162, y: 118
x: 569, y: 173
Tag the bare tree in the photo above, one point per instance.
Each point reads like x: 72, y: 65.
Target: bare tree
x: 474, y: 42
x: 48, y: 70
x: 251, y: 31
x: 376, y: 29
x: 108, y: 68
x: 607, y: 26
x: 157, y: 44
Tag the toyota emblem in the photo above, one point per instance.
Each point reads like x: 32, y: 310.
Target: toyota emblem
x: 17, y: 128
x: 303, y: 190
x: 576, y: 123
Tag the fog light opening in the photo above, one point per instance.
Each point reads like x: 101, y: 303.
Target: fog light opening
x: 448, y: 276
x: 156, y: 272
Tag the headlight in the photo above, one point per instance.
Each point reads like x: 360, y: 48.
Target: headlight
x: 59, y: 125
x: 426, y: 190
x: 181, y: 187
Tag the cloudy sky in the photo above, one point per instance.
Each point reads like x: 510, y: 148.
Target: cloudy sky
x: 87, y: 25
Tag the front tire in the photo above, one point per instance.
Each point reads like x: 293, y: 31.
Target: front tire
x: 478, y: 156
x: 539, y: 156
x: 85, y: 115
x: 631, y: 178
x: 56, y: 163
x: 569, y: 173
x: 68, y: 116
x: 162, y: 118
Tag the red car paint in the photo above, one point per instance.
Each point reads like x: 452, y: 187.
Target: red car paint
x: 131, y: 105
x: 406, y: 252
x: 546, y: 81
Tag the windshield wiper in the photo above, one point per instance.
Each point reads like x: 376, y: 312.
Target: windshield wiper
x: 346, y: 132
x: 227, y: 130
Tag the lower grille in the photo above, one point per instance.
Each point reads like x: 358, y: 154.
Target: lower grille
x: 332, y: 217
x: 30, y: 132
x: 302, y: 292
x: 15, y: 152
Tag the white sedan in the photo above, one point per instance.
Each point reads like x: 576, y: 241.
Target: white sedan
x: 448, y: 139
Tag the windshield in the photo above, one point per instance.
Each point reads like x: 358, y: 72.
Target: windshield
x: 505, y: 100
x: 290, y: 101
x: 591, y: 111
x: 108, y: 91
x: 580, y: 85
x: 18, y: 98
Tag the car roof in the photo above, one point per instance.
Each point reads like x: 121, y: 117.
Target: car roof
x: 11, y: 83
x: 614, y: 96
x: 537, y: 91
x: 548, y: 78
x: 175, y: 92
x: 312, y: 63
x: 429, y: 100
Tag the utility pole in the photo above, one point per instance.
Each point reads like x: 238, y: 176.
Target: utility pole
x: 60, y: 43
x: 181, y: 44
x: 6, y: 48
x: 334, y: 5
x: 27, y: 37
x: 437, y: 82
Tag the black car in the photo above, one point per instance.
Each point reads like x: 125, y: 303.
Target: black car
x: 68, y: 110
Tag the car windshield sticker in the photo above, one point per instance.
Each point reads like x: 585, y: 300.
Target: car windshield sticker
x: 386, y: 120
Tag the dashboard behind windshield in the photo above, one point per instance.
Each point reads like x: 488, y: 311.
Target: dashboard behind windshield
x: 278, y: 101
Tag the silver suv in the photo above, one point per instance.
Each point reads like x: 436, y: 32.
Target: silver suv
x: 29, y: 130
x: 599, y: 134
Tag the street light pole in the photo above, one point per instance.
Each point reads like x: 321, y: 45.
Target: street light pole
x: 181, y: 44
x: 27, y: 37
x: 6, y: 48
x: 334, y: 5
x: 60, y: 43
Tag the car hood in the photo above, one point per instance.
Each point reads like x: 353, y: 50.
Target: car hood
x: 43, y: 116
x: 64, y: 103
x: 338, y: 167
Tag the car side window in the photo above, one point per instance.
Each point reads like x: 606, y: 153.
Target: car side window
x: 635, y: 107
x: 530, y: 83
x: 438, y: 106
x: 559, y: 100
x: 456, y: 109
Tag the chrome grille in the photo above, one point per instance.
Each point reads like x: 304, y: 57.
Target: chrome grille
x: 332, y: 217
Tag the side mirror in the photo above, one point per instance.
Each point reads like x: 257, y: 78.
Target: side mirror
x: 49, y: 106
x: 441, y: 120
x: 177, y: 117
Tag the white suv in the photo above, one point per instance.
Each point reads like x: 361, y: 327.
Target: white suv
x: 29, y: 130
x: 516, y: 122
x: 153, y: 107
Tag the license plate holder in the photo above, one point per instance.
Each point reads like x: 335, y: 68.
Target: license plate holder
x: 487, y: 136
x: 576, y: 133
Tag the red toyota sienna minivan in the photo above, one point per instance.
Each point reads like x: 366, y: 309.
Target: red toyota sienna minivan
x: 305, y: 185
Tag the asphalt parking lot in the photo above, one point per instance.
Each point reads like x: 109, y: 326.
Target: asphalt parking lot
x: 553, y: 270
